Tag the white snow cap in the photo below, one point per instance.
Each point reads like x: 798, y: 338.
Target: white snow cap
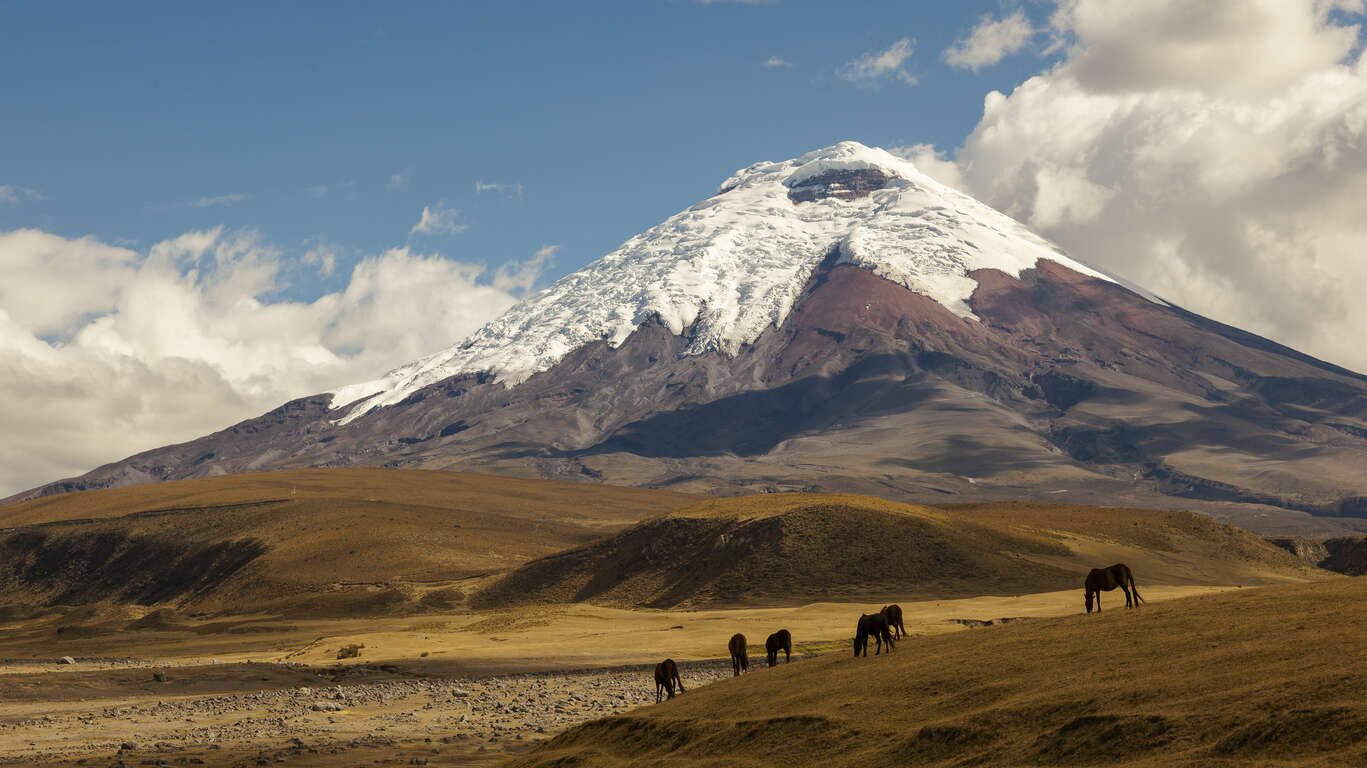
x: 732, y: 265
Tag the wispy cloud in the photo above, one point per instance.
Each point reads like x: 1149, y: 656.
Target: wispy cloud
x: 322, y: 255
x: 11, y: 194
x: 320, y: 191
x: 774, y: 62
x: 438, y: 219
x: 871, y: 68
x: 209, y: 202
x: 507, y: 190
x: 990, y: 41
x: 400, y: 180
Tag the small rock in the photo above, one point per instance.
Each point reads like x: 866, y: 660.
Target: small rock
x: 66, y: 660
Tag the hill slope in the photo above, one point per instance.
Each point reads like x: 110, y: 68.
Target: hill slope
x: 794, y: 548
x: 1260, y: 676
x: 323, y: 541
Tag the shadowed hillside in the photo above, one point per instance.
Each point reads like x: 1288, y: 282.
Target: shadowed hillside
x: 793, y: 548
x: 318, y: 542
x: 1252, y: 677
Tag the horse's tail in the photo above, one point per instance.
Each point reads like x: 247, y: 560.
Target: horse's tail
x: 1135, y: 590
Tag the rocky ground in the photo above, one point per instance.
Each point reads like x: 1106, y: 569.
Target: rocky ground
x: 435, y: 721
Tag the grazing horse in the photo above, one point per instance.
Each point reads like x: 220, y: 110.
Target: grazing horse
x: 892, y: 614
x: 872, y: 624
x: 779, y: 641
x: 740, y: 662
x: 666, y: 677
x: 1107, y: 579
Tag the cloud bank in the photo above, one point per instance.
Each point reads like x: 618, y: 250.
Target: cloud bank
x: 106, y: 351
x: 1214, y: 152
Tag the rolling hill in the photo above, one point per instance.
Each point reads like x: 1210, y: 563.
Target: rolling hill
x: 775, y: 549
x: 313, y: 542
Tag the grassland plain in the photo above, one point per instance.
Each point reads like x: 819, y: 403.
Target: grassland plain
x: 547, y: 603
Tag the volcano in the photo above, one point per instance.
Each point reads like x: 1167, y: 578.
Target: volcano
x: 843, y: 322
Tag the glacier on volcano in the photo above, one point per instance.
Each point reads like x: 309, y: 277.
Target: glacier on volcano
x: 733, y: 265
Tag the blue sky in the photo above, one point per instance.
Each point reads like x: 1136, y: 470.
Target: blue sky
x: 339, y: 122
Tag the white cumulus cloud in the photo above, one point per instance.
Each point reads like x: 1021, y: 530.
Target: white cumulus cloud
x: 774, y: 62
x: 990, y: 41
x: 1209, y: 150
x: 106, y: 351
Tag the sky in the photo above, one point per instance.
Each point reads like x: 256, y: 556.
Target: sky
x: 205, y: 212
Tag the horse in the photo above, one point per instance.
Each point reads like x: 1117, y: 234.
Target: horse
x: 1107, y: 579
x: 739, y: 661
x: 779, y: 641
x: 871, y: 624
x: 893, y: 615
x: 666, y: 677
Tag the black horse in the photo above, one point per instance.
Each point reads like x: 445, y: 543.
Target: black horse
x: 740, y: 662
x: 893, y: 615
x: 872, y: 624
x: 779, y: 641
x: 1106, y: 579
x: 666, y: 677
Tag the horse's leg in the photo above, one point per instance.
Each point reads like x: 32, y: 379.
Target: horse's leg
x: 657, y: 691
x: 679, y: 680
x: 1129, y: 602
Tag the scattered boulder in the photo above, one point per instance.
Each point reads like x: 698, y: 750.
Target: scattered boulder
x: 349, y: 652
x: 160, y: 676
x: 66, y: 660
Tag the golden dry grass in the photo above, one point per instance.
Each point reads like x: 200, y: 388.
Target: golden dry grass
x: 1267, y: 676
x: 337, y: 541
x: 792, y: 548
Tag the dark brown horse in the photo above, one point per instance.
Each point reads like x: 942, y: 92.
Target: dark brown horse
x: 666, y: 677
x: 779, y: 641
x: 892, y: 614
x: 1106, y: 579
x: 871, y: 624
x: 740, y: 662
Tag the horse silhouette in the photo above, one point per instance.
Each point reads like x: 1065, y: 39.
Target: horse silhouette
x: 779, y: 641
x: 740, y: 662
x: 1106, y: 579
x: 871, y: 624
x: 666, y: 677
x: 892, y: 614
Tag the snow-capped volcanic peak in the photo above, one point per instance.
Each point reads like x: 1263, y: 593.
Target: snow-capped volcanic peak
x: 733, y: 265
